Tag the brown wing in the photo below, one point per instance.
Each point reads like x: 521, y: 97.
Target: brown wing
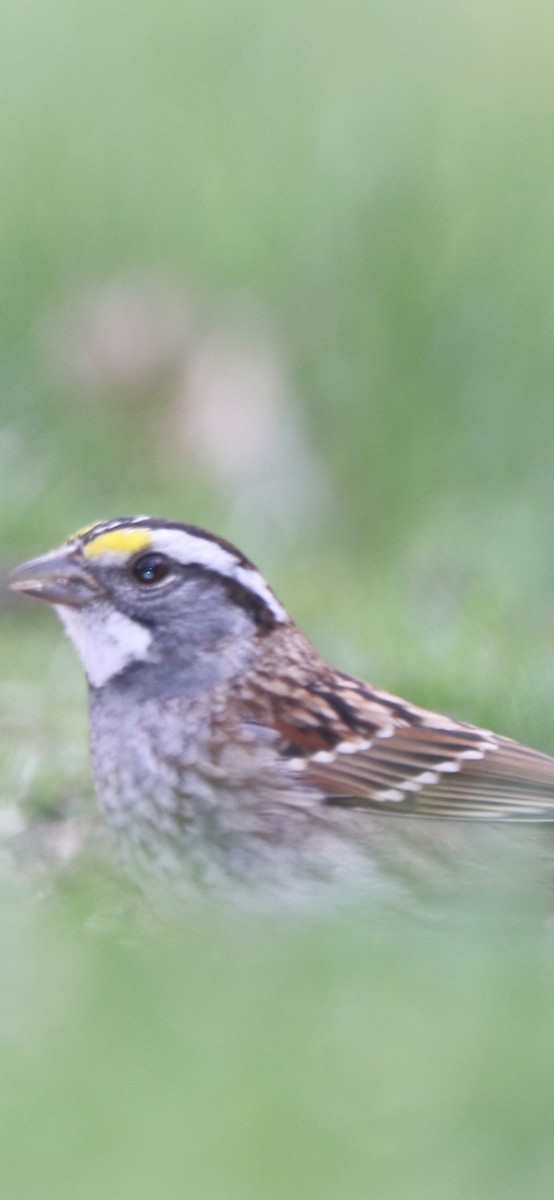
x: 431, y: 771
x: 367, y: 749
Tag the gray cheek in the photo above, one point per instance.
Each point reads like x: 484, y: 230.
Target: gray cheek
x: 199, y: 640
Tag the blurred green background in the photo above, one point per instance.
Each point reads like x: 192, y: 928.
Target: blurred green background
x: 286, y: 271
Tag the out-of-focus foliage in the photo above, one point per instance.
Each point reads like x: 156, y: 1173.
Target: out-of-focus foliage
x: 285, y: 270
x: 240, y: 1058
x: 377, y: 178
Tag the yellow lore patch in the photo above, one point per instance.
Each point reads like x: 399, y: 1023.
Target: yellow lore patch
x: 117, y: 541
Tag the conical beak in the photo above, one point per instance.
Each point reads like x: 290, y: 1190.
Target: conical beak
x: 59, y: 577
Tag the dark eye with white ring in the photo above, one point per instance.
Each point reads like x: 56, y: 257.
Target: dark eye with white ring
x: 150, y: 569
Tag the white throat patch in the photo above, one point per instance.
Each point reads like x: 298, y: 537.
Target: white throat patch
x: 105, y: 640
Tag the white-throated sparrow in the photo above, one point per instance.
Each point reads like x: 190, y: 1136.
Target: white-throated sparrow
x: 223, y: 744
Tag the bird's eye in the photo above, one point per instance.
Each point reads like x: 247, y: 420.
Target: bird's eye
x: 150, y: 569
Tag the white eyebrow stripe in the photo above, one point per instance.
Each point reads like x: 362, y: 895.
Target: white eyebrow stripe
x: 190, y: 550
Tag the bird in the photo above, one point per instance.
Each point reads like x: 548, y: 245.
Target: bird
x: 224, y: 747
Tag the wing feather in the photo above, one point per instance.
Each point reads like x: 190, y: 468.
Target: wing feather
x: 430, y: 772
x: 365, y: 748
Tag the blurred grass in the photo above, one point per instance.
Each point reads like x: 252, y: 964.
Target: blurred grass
x: 234, y: 1056
x: 379, y: 180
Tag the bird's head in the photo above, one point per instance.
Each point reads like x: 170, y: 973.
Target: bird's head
x: 142, y: 593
